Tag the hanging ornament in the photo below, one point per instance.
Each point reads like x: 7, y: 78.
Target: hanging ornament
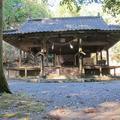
x: 71, y: 46
x: 53, y: 46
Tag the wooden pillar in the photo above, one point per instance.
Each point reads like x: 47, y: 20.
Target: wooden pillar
x: 107, y: 52
x: 25, y: 72
x: 54, y: 60
x: 80, y: 65
x: 101, y: 57
x: 47, y: 60
x: 20, y: 54
x: 42, y: 66
x: 75, y: 60
x: 23, y: 54
x: 44, y: 47
x: 80, y: 58
x: 114, y: 72
x: 96, y: 58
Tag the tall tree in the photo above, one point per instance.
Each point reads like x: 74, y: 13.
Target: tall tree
x: 3, y: 82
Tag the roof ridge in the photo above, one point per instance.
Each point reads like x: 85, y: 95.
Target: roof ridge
x: 114, y: 24
x: 39, y: 19
x: 10, y: 30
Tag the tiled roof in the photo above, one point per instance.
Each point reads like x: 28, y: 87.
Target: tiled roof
x: 65, y: 24
x: 114, y: 27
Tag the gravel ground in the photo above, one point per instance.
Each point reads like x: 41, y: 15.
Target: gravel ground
x: 72, y: 96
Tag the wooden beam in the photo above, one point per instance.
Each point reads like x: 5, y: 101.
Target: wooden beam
x: 101, y: 57
x: 42, y: 66
x: 25, y: 72
x: 107, y: 52
x: 94, y: 43
x: 20, y: 55
x: 96, y: 57
x: 80, y: 65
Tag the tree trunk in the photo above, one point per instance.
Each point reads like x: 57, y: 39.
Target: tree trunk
x: 3, y: 83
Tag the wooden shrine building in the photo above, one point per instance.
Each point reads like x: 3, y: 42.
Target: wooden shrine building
x: 65, y: 45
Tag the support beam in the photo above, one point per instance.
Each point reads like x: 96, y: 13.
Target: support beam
x: 25, y: 72
x: 20, y: 55
x: 42, y: 66
x: 54, y: 58
x: 75, y: 60
x: 23, y: 54
x: 107, y: 52
x: 96, y: 58
x: 101, y: 57
x: 80, y: 66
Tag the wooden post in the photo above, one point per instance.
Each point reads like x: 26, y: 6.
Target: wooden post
x: 20, y: 58
x: 100, y: 70
x: 107, y: 52
x: 114, y: 72
x: 54, y: 60
x: 74, y: 60
x: 44, y: 47
x: 42, y: 66
x: 23, y: 54
x: 80, y: 65
x: 96, y: 58
x: 101, y: 57
x: 80, y: 58
x: 25, y: 72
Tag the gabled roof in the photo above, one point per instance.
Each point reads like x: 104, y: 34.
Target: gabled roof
x: 64, y: 24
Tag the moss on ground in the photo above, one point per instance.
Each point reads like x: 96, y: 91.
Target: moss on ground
x: 18, y: 106
x: 17, y: 116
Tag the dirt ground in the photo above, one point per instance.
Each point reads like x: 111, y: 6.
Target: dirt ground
x: 70, y: 101
x: 105, y: 111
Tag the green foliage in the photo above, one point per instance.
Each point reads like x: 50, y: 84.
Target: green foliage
x: 116, y: 52
x: 64, y: 11
x: 112, y: 7
x: 109, y: 6
x: 116, y: 48
x: 8, y: 51
x: 77, y: 3
x: 71, y: 3
x: 17, y: 11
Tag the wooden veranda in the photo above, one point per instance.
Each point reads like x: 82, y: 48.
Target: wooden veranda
x: 64, y: 45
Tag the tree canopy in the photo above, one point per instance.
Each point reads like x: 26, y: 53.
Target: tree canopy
x: 109, y: 6
x: 112, y: 6
x: 17, y: 11
x: 77, y: 3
